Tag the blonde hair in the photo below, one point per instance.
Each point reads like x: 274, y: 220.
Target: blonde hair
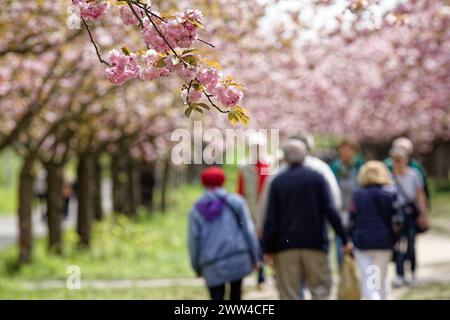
x: 374, y: 172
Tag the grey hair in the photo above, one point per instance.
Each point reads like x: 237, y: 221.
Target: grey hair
x: 306, y: 138
x: 294, y: 151
x: 400, y: 152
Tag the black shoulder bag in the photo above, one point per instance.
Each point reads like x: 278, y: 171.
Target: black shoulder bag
x: 410, y: 208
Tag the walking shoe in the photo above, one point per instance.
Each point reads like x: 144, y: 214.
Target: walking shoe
x: 413, y: 282
x: 399, y: 282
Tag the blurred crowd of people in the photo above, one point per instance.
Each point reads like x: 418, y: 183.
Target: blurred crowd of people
x: 283, y: 219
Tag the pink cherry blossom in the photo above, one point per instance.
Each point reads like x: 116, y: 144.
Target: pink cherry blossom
x: 93, y: 10
x: 148, y: 71
x: 152, y: 37
x: 123, y: 67
x: 229, y: 96
x: 169, y: 61
x: 187, y: 74
x: 128, y: 16
x: 194, y: 96
x: 210, y: 78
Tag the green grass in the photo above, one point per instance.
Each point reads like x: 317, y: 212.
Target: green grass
x: 440, y: 204
x: 9, y: 169
x: 433, y: 291
x: 173, y: 293
x: 149, y: 247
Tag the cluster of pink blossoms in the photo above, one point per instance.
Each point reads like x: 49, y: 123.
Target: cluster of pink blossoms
x: 128, y: 17
x: 149, y: 72
x: 122, y: 67
x: 229, y: 96
x: 92, y: 10
x: 163, y: 36
x: 179, y: 32
x: 210, y: 78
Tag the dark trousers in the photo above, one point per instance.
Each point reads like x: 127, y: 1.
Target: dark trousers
x: 261, y: 272
x: 409, y: 253
x: 218, y: 292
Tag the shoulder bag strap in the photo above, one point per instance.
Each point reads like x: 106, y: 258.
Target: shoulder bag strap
x: 240, y: 224
x: 400, y: 188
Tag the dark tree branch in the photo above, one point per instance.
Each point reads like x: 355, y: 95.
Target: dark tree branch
x: 95, y: 44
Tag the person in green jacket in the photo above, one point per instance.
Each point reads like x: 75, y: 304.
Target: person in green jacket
x: 407, y: 145
x: 346, y: 168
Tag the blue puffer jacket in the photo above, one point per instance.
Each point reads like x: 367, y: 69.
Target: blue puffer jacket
x: 373, y: 207
x: 221, y: 249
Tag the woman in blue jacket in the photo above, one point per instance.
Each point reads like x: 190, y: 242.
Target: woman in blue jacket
x: 374, y: 204
x: 222, y: 243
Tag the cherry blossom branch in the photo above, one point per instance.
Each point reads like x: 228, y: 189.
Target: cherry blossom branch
x: 146, y: 11
x: 207, y: 43
x: 95, y: 44
x: 142, y: 6
x: 141, y: 23
x: 208, y: 96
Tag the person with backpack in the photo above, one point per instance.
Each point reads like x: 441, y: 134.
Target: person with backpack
x: 412, y: 203
x: 223, y: 246
x: 373, y: 207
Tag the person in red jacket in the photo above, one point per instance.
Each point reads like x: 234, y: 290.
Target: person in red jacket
x: 251, y: 179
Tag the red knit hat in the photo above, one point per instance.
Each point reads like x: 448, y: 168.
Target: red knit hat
x: 212, y: 177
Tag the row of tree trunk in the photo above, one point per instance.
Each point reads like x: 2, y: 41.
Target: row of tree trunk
x: 133, y: 185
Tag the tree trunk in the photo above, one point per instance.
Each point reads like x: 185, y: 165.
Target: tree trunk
x: 147, y: 182
x: 97, y: 189
x: 25, y: 211
x: 164, y: 184
x: 85, y: 186
x: 55, y: 198
x: 438, y: 162
x: 134, y: 192
x: 119, y: 182
x: 375, y: 151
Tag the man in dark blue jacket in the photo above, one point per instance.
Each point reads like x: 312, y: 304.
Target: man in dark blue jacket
x: 295, y: 232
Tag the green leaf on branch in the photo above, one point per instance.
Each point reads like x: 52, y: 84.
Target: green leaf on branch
x: 238, y: 115
x: 141, y: 52
x: 203, y: 105
x: 198, y: 86
x: 191, y: 60
x: 160, y: 63
x: 175, y: 60
x: 198, y: 24
x: 188, y: 112
x: 186, y: 52
x: 212, y: 63
x: 232, y: 118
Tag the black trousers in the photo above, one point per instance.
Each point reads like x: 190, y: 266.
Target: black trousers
x: 218, y: 292
x: 409, y: 236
